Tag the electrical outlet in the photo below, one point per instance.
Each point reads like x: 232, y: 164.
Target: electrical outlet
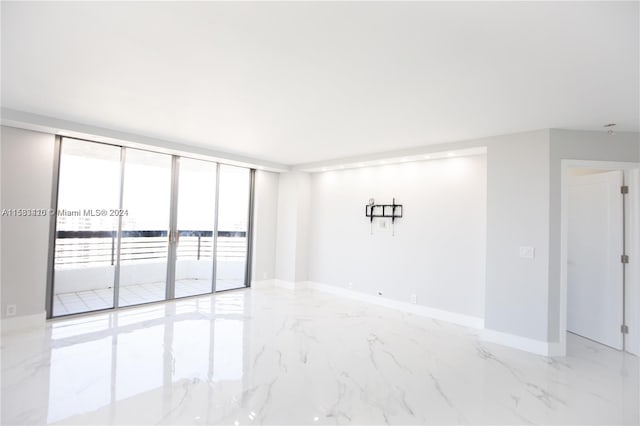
x: 414, y: 299
x: 527, y: 252
x: 11, y: 310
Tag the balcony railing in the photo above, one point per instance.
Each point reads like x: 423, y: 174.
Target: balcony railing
x: 100, y: 247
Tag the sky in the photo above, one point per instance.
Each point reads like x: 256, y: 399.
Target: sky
x: 90, y: 179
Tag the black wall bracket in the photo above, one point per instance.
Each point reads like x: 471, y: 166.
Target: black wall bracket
x: 383, y: 210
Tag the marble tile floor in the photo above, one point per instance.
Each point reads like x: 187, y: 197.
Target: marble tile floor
x: 275, y: 356
x: 92, y: 300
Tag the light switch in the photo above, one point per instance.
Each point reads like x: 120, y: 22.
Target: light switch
x: 527, y: 252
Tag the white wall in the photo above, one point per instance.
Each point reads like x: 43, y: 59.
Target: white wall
x: 438, y: 251
x: 303, y: 223
x: 27, y: 176
x: 286, y: 228
x: 292, y: 227
x: 518, y: 215
x: 265, y: 220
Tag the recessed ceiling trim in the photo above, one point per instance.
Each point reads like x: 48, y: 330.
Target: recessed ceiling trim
x: 427, y: 152
x: 448, y: 154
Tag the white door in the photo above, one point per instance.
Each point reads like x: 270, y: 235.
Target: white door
x: 594, y: 292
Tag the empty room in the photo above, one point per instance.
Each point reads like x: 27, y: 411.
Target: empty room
x: 301, y: 213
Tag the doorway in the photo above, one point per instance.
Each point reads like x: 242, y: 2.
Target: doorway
x: 135, y: 226
x: 600, y: 222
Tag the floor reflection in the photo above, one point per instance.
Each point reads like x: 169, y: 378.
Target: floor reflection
x: 275, y: 356
x: 135, y: 351
x: 93, y: 378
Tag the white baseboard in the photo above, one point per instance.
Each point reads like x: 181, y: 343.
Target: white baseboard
x: 523, y: 343
x: 262, y: 284
x: 425, y: 311
x: 511, y: 340
x: 24, y: 322
x: 289, y: 285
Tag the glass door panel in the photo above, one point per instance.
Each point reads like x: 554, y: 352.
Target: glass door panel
x: 145, y: 227
x: 233, y: 214
x: 86, y: 232
x: 195, y: 227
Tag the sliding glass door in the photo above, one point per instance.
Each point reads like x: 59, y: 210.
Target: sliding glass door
x: 86, y: 239
x: 195, y: 227
x: 137, y: 226
x: 144, y: 244
x: 233, y: 219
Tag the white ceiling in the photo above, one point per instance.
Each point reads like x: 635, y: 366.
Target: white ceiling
x: 305, y: 82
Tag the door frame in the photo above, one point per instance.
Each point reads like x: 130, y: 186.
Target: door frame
x: 172, y: 245
x: 171, y: 250
x: 631, y: 173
